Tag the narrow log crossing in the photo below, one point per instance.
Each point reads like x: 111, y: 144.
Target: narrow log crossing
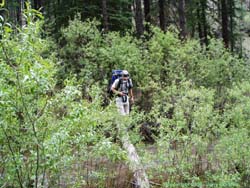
x: 140, y: 176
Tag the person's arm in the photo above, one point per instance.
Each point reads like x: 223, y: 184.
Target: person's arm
x: 131, y: 90
x: 131, y: 95
x: 115, y: 91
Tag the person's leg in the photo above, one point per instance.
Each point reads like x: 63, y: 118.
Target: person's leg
x: 126, y: 107
x: 120, y: 106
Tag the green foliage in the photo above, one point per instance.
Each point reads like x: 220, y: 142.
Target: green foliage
x: 27, y: 77
x: 164, y: 58
x: 237, y: 106
x: 173, y: 61
x: 194, y: 94
x: 186, y: 109
x: 85, y: 52
x: 232, y: 151
x: 198, y: 97
x: 189, y: 91
x: 81, y: 45
x: 43, y: 129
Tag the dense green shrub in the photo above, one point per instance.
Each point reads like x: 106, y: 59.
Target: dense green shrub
x: 173, y: 60
x: 237, y: 107
x: 45, y: 130
x: 27, y: 78
x: 232, y: 154
x: 186, y: 109
x: 92, y: 55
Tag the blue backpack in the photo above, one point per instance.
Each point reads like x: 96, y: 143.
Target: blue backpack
x: 115, y: 74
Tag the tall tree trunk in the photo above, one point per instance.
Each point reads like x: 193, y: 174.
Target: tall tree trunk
x: 199, y: 25
x: 19, y: 12
x: 161, y: 4
x: 231, y: 18
x: 182, y: 18
x: 20, y: 17
x: 105, y: 15
x: 204, y: 21
x: 147, y: 13
x: 224, y: 16
x: 138, y: 18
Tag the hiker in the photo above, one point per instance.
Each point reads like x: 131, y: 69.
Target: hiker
x: 122, y: 87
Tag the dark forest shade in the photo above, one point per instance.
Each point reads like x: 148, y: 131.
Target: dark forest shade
x: 161, y: 4
x: 224, y: 17
x: 202, y: 22
x: 37, y: 4
x: 194, y: 18
x: 182, y: 18
x: 147, y: 13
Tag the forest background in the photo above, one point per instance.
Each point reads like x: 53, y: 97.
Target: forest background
x: 189, y: 60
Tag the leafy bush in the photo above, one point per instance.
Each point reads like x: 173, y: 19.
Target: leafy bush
x: 92, y: 55
x: 232, y: 152
x: 27, y: 78
x: 186, y: 109
x: 44, y: 130
x: 237, y: 106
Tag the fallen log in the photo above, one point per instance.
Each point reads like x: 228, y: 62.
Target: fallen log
x: 140, y: 176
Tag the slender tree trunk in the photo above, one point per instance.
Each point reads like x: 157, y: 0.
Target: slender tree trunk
x: 20, y: 17
x: 147, y: 13
x: 232, y: 15
x: 241, y: 37
x: 204, y: 21
x: 182, y: 18
x: 105, y: 15
x: 161, y: 4
x: 224, y: 16
x: 138, y: 18
x: 199, y: 25
x: 19, y: 12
